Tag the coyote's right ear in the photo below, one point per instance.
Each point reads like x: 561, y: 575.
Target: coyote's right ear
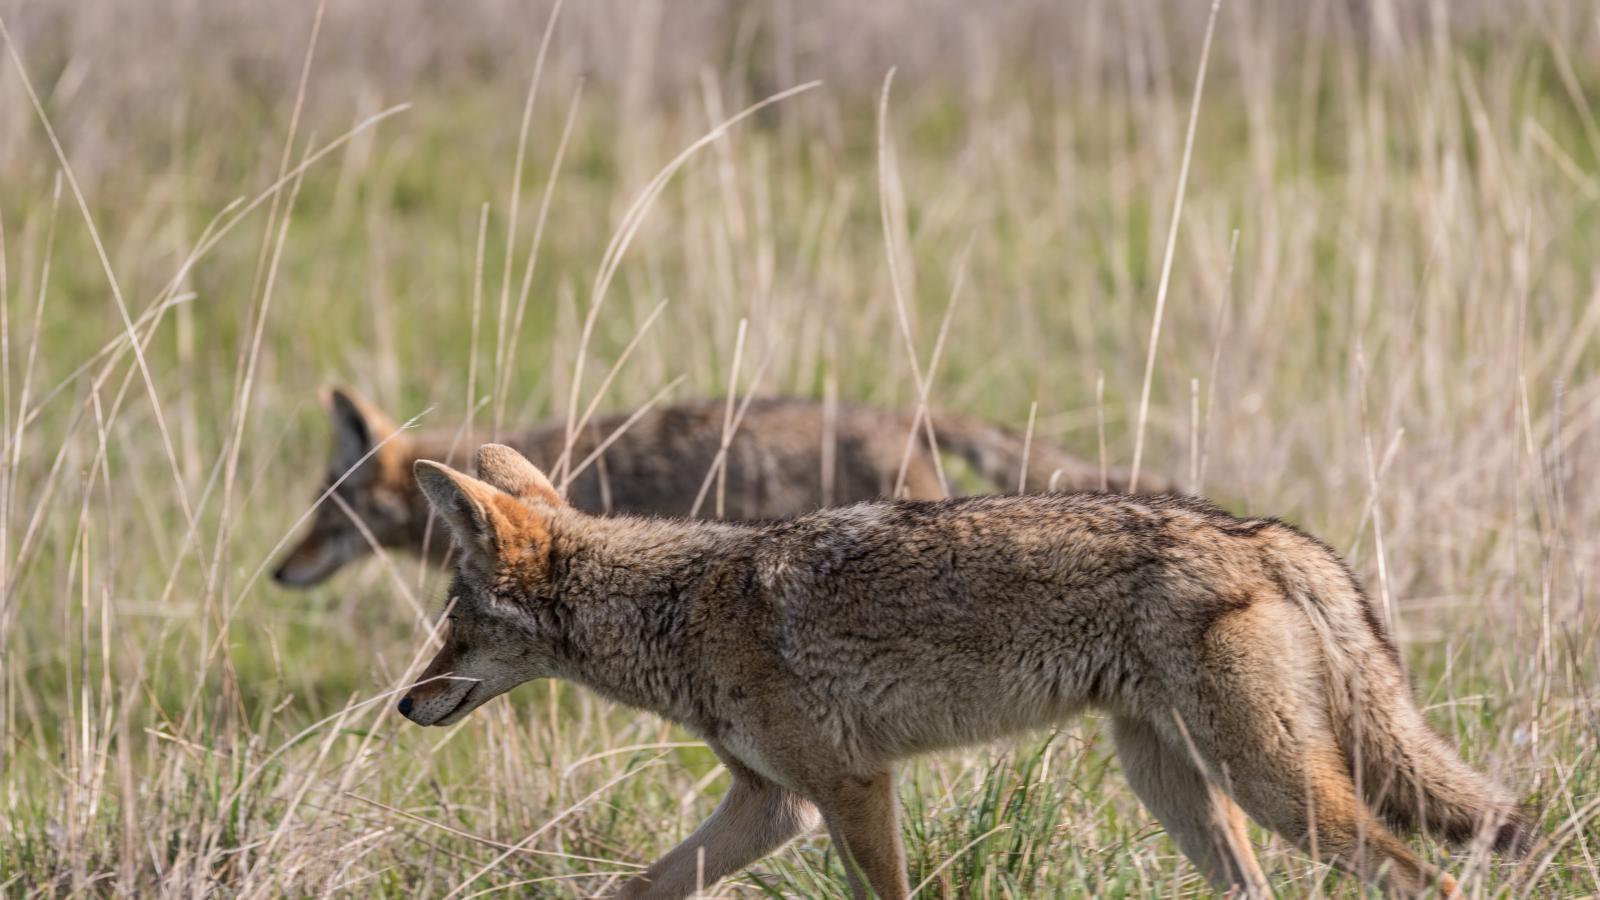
x: 511, y: 472
x: 467, y: 505
x: 358, y: 426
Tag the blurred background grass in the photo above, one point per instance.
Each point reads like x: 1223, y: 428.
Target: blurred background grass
x: 1381, y: 325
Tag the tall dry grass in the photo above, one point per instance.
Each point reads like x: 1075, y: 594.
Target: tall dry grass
x: 1380, y: 323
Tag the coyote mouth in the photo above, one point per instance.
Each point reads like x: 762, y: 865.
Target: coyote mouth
x: 462, y: 707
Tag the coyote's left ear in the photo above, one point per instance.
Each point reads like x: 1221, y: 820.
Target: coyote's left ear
x: 511, y: 472
x: 477, y: 513
x: 358, y: 427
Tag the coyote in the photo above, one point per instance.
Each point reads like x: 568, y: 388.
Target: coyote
x: 786, y: 457
x: 1242, y: 667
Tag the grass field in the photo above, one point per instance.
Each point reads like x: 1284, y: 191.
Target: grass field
x: 1382, y: 322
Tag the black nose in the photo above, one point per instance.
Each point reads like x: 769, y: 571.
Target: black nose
x: 405, y: 707
x: 279, y: 574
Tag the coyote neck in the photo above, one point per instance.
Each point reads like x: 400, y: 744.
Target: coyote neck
x: 635, y: 594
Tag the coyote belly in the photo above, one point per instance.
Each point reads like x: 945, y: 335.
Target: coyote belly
x: 1241, y: 666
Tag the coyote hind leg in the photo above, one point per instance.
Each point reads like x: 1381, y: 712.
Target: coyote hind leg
x: 1199, y: 816
x: 1254, y: 720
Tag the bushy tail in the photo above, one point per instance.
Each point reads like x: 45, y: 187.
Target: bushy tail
x: 998, y: 456
x: 1406, y: 771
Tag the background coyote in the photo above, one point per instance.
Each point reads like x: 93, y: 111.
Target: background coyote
x: 787, y: 456
x: 1241, y: 664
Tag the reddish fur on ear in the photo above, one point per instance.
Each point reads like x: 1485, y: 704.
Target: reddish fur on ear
x: 522, y: 538
x: 485, y: 520
x: 465, y: 503
x: 511, y: 472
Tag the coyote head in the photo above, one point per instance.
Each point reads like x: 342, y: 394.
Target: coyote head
x: 500, y: 630
x: 373, y: 486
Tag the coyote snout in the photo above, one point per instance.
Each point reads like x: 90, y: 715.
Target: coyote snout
x: 317, y: 556
x: 446, y: 704
x: 1243, y: 670
x: 475, y: 665
x: 441, y: 696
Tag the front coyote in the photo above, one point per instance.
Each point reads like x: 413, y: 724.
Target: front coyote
x: 1243, y: 669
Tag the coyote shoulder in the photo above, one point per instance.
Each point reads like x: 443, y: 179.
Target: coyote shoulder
x: 787, y: 456
x: 1241, y: 666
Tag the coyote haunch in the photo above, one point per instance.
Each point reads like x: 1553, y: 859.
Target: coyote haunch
x: 1242, y: 667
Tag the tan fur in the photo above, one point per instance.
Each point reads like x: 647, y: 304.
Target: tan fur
x: 776, y: 467
x: 1239, y: 661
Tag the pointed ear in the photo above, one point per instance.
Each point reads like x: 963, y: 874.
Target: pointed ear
x: 511, y: 472
x: 466, y: 504
x: 357, y: 427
